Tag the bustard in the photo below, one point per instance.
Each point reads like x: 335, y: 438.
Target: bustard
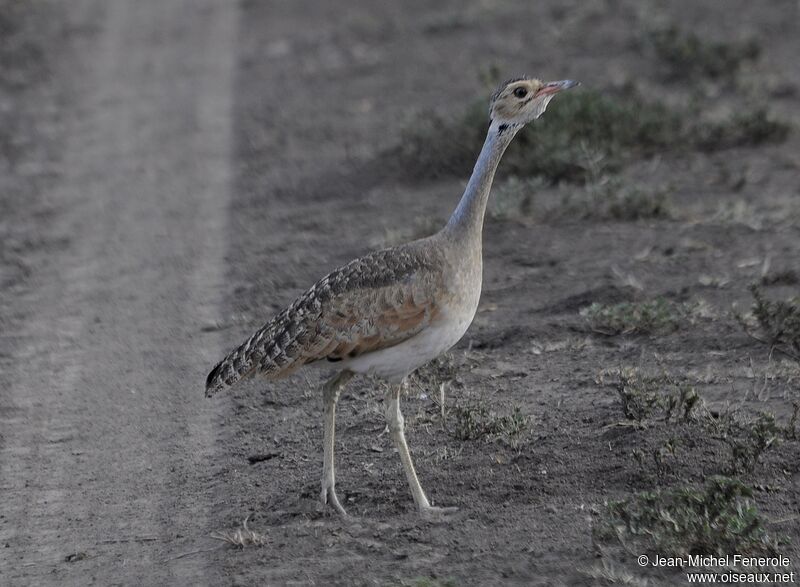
x: 394, y: 310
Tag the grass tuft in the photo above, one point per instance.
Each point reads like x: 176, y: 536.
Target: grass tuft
x: 717, y: 519
x: 776, y: 323
x: 656, y: 316
x: 742, y: 129
x: 615, y: 128
x: 607, y: 573
x: 781, y: 277
x: 645, y: 396
x: 513, y: 199
x: 241, y: 537
x: 689, y: 56
x: 551, y: 148
x: 609, y: 198
x: 475, y: 421
x: 749, y: 439
x: 602, y: 198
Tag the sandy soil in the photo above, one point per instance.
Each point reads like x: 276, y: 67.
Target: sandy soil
x: 180, y: 170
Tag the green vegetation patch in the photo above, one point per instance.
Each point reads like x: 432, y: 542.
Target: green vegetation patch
x: 688, y: 56
x: 717, y: 519
x: 647, y: 399
x: 514, y: 199
x: 609, y: 198
x: 579, y: 126
x: 555, y: 145
x: 753, y: 127
x: 648, y: 317
x: 645, y: 396
x: 776, y: 323
x: 476, y: 421
x: 602, y: 198
x: 748, y: 438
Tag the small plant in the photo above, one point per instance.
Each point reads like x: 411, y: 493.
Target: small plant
x: 689, y: 56
x: 241, y: 537
x: 603, y: 197
x: 661, y: 455
x: 752, y: 127
x: 615, y: 128
x: 635, y: 203
x: 513, y: 199
x: 657, y: 315
x: 636, y: 394
x: 475, y: 421
x: 748, y: 439
x: 607, y: 573
x: 717, y: 519
x: 607, y: 197
x: 645, y: 396
x: 551, y: 148
x: 776, y: 323
x: 780, y: 277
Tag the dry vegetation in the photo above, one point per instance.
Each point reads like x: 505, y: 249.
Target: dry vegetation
x: 241, y: 537
x: 645, y: 396
x: 688, y: 56
x: 717, y: 519
x: 612, y: 129
x: 658, y: 316
x: 775, y: 323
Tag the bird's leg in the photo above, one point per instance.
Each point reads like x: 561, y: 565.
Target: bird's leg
x: 331, y: 391
x: 396, y: 423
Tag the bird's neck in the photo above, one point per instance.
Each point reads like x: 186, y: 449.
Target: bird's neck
x: 467, y: 219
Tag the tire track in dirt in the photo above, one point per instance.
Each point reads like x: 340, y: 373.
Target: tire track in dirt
x: 106, y: 437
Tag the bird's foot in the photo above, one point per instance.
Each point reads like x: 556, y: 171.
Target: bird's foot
x: 436, y: 514
x: 329, y: 497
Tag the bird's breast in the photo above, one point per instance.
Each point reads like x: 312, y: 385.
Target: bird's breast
x: 395, y: 363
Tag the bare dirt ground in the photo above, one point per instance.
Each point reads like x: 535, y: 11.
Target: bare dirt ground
x: 176, y: 172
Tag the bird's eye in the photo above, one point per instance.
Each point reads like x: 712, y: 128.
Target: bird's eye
x: 520, y: 92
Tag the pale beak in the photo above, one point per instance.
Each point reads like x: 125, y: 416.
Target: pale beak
x: 555, y: 87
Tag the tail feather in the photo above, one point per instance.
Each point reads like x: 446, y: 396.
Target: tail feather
x: 290, y: 340
x: 273, y: 351
x: 213, y: 377
x: 239, y: 364
x: 216, y: 378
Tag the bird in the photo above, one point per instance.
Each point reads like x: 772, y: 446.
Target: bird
x: 391, y: 311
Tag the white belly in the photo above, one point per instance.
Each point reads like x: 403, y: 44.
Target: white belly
x: 395, y: 363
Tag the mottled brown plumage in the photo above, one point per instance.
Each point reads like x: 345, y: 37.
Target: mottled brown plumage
x: 391, y: 311
x: 373, y: 302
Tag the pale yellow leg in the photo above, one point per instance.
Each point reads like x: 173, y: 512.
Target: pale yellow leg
x: 331, y: 391
x: 396, y: 423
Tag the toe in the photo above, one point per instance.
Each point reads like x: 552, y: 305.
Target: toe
x: 329, y: 497
x: 437, y: 513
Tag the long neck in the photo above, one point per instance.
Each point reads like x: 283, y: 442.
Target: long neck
x: 467, y: 219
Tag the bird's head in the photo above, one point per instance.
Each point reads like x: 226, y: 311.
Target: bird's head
x: 521, y: 100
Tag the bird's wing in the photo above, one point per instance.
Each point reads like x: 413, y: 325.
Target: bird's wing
x: 372, y: 303
x: 367, y: 320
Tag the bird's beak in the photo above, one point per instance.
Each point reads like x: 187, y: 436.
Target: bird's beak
x: 555, y: 87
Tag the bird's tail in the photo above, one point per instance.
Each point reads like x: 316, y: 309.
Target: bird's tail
x: 273, y: 351
x: 237, y: 365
